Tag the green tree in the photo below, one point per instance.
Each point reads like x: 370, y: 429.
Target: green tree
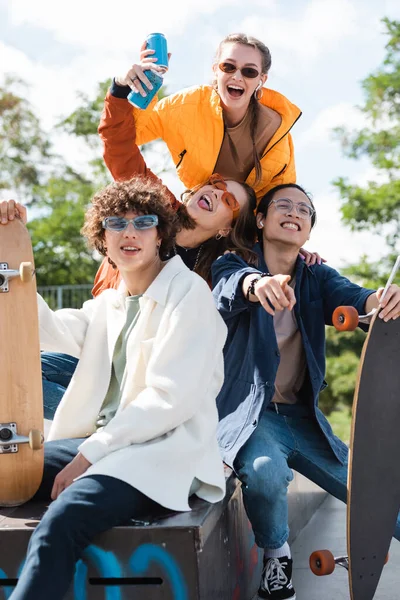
x: 376, y: 206
x: 57, y: 194
x: 373, y: 207
x: 61, y: 254
x: 24, y: 149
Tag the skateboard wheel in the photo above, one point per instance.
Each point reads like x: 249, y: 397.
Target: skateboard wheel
x: 35, y: 439
x: 386, y: 559
x: 345, y: 318
x: 25, y: 272
x: 322, y: 562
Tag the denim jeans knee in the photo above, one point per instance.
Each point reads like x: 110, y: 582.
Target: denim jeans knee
x: 265, y: 481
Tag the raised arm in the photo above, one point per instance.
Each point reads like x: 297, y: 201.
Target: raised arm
x: 118, y: 133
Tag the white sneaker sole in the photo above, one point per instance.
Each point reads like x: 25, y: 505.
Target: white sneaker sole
x: 261, y: 598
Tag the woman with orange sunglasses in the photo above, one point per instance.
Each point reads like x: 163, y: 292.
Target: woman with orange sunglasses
x: 235, y: 127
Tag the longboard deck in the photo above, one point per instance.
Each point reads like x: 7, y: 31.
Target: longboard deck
x: 374, y: 485
x: 20, y: 372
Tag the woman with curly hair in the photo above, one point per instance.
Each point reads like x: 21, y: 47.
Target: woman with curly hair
x: 136, y: 427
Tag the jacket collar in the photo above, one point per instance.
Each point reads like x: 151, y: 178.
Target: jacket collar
x: 278, y: 102
x: 159, y: 288
x: 299, y: 267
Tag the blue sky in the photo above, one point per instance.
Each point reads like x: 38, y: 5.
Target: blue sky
x: 321, y: 50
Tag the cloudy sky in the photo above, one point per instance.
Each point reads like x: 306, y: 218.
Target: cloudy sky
x: 321, y: 50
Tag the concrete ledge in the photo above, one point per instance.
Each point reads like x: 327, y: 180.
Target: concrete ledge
x: 206, y: 554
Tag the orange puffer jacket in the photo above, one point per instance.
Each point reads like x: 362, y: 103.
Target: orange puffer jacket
x: 191, y: 124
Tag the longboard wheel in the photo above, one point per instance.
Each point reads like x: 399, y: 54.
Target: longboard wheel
x: 386, y: 559
x: 35, y: 439
x: 25, y: 272
x: 345, y: 318
x: 322, y: 562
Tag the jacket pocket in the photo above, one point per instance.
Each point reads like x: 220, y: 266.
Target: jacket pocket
x: 180, y: 156
x: 280, y: 172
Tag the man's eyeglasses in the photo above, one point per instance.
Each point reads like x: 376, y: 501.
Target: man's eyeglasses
x: 227, y: 197
x: 120, y: 223
x: 248, y: 72
x: 286, y: 206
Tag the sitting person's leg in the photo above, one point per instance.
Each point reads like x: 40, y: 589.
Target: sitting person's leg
x: 262, y: 467
x: 57, y: 371
x: 91, y: 505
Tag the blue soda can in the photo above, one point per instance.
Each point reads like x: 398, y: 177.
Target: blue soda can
x: 140, y: 101
x: 158, y: 43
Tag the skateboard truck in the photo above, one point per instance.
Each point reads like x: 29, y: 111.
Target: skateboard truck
x: 9, y: 439
x: 25, y: 273
x: 346, y: 318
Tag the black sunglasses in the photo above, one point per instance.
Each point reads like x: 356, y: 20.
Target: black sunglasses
x: 248, y: 72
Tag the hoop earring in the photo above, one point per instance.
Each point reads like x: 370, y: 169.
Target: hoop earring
x: 258, y: 93
x: 219, y: 236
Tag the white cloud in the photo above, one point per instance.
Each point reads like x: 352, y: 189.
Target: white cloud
x: 321, y: 129
x: 102, y: 24
x: 321, y: 25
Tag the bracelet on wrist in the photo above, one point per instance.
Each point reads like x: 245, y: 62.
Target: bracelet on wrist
x: 250, y: 289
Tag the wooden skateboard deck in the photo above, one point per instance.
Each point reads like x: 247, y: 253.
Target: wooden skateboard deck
x: 20, y: 371
x: 374, y: 485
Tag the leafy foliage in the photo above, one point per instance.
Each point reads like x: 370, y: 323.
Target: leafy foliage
x: 57, y: 194
x: 372, y: 207
x: 24, y: 149
x: 61, y: 254
x: 377, y: 205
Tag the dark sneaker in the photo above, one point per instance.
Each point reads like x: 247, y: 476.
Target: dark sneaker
x: 276, y: 579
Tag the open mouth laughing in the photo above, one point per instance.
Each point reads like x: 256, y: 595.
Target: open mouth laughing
x: 130, y: 250
x: 291, y: 226
x: 205, y: 202
x: 235, y: 91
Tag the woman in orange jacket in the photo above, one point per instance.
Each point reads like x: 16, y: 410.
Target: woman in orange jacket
x: 236, y: 127
x: 208, y: 225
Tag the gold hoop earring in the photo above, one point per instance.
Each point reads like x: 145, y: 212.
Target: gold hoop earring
x: 219, y: 236
x: 258, y: 93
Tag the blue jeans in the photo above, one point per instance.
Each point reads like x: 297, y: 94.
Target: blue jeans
x: 281, y: 442
x: 89, y: 506
x: 57, y: 371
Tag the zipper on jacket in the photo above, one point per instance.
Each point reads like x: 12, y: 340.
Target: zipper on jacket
x: 284, y: 135
x: 280, y: 172
x: 181, y: 155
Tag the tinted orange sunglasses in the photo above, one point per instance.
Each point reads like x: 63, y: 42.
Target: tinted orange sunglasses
x: 227, y: 198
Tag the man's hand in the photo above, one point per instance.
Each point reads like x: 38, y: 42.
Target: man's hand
x: 390, y: 304
x: 76, y: 467
x: 277, y: 290
x: 10, y: 210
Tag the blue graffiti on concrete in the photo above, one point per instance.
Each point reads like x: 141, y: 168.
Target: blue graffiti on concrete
x: 146, y: 553
x: 106, y: 564
x: 7, y: 589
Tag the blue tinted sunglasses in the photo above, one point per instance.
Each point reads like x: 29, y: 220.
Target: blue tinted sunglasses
x: 140, y: 223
